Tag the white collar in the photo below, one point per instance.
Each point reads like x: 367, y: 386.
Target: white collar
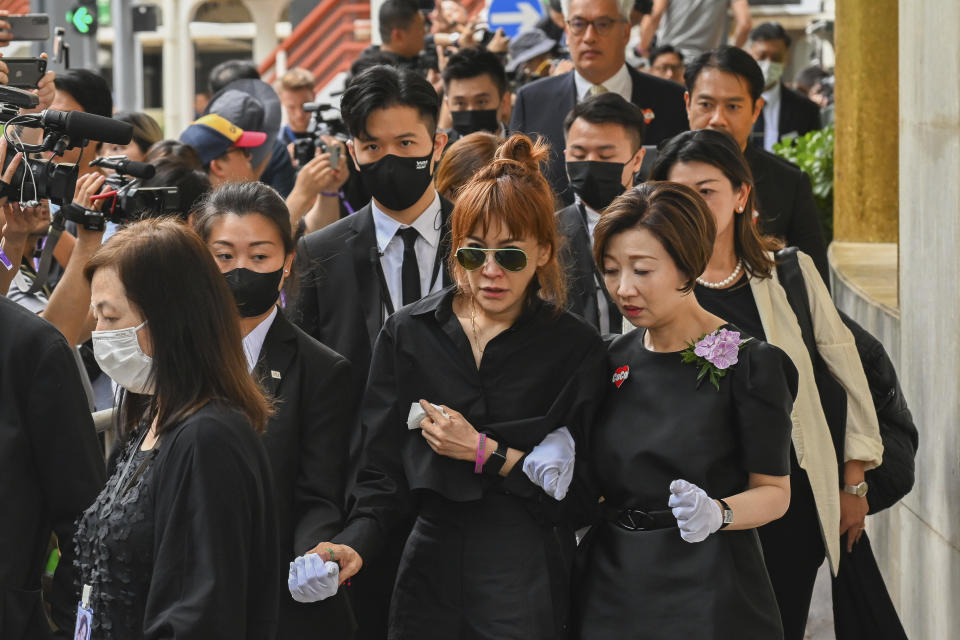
x: 772, y: 95
x: 620, y: 83
x: 253, y: 341
x: 427, y: 224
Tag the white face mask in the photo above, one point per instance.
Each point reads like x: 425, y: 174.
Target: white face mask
x: 119, y: 354
x: 772, y: 72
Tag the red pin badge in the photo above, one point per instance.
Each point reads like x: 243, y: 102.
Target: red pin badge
x: 620, y: 375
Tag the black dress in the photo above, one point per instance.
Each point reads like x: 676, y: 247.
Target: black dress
x: 658, y: 426
x: 488, y: 557
x: 181, y: 543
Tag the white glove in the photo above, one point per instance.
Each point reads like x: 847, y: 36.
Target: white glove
x: 697, y: 514
x: 550, y: 464
x: 311, y: 579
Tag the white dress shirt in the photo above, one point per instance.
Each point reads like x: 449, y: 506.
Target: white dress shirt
x: 603, y: 311
x: 771, y: 116
x: 428, y: 225
x: 620, y: 83
x: 253, y: 341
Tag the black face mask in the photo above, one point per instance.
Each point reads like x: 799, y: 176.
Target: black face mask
x: 597, y: 183
x: 397, y: 183
x: 467, y: 122
x: 254, y: 292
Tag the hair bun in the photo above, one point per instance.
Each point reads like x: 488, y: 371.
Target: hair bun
x: 524, y: 151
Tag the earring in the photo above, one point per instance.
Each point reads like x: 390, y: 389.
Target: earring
x: 740, y: 210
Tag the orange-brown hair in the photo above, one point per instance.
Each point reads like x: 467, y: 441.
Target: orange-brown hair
x: 463, y: 160
x: 674, y: 213
x: 170, y: 277
x: 512, y: 191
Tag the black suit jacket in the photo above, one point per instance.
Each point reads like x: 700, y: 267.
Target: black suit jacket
x: 576, y: 256
x: 341, y: 299
x: 798, y: 114
x: 786, y: 206
x: 541, y: 106
x: 51, y: 468
x: 307, y: 441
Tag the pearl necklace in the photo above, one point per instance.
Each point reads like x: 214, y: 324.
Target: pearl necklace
x: 727, y: 281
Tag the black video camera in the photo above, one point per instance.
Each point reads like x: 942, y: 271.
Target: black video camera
x: 306, y: 144
x: 37, y: 179
x: 124, y: 198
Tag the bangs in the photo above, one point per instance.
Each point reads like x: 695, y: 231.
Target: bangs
x: 485, y: 204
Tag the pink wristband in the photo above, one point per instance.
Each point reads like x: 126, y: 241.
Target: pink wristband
x: 478, y: 466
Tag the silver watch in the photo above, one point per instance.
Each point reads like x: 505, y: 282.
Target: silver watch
x: 859, y: 490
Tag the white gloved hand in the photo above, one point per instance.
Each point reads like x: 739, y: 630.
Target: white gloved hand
x: 550, y: 464
x: 697, y: 514
x: 311, y: 579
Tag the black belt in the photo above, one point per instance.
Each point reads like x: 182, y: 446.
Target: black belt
x: 639, y: 520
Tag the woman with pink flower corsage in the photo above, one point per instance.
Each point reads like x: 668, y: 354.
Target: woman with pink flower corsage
x: 692, y: 449
x: 741, y: 284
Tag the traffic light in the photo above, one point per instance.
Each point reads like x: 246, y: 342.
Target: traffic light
x: 82, y: 16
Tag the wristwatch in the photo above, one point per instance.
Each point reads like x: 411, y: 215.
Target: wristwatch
x: 859, y: 490
x: 727, y: 514
x: 496, y: 460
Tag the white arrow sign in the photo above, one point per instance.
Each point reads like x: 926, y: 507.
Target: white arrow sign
x: 527, y: 16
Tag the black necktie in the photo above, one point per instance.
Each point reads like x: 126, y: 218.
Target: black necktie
x: 410, y: 271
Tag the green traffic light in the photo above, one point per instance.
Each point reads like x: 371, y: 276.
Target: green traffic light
x: 81, y: 19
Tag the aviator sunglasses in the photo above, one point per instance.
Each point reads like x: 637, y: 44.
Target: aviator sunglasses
x: 511, y: 259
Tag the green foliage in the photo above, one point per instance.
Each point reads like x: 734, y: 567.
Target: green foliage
x: 813, y: 153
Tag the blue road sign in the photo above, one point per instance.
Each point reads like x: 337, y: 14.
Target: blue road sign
x: 514, y: 16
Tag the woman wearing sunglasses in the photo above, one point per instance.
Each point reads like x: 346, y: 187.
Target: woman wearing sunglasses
x: 505, y: 368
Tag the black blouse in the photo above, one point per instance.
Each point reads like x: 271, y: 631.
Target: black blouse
x: 735, y: 305
x: 181, y: 543
x: 544, y: 372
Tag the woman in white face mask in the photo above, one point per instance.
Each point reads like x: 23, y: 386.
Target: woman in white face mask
x: 184, y: 529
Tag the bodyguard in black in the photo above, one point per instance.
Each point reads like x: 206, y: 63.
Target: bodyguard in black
x: 51, y: 467
x: 359, y: 270
x: 489, y: 555
x: 247, y: 229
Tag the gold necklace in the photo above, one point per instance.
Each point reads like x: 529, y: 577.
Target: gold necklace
x: 473, y: 322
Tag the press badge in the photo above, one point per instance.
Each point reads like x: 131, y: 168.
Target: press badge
x: 84, y: 626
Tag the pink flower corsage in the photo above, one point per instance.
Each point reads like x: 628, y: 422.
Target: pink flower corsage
x: 714, y: 353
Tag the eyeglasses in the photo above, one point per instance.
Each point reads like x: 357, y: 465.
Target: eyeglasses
x: 667, y: 68
x: 578, y: 26
x: 511, y: 259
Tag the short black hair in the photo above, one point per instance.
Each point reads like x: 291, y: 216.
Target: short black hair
x: 473, y: 62
x: 770, y: 31
x: 386, y: 86
x: 610, y: 107
x: 663, y: 50
x: 729, y: 60
x: 226, y: 72
x: 371, y: 58
x: 89, y: 89
x: 396, y: 14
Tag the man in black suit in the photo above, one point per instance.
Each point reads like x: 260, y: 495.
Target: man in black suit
x: 51, y: 469
x: 475, y: 92
x: 604, y: 150
x: 359, y: 270
x: 597, y: 34
x: 724, y: 90
x: 786, y: 113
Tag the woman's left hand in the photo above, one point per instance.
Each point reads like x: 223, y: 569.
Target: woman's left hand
x: 448, y: 432
x: 853, y: 517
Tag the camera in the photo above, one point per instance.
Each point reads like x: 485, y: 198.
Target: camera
x: 305, y: 146
x: 36, y: 180
x: 124, y: 197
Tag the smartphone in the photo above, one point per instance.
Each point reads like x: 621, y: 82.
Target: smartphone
x: 33, y: 26
x: 25, y: 73
x: 335, y: 156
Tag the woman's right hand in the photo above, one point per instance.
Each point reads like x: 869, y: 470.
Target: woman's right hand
x: 349, y: 560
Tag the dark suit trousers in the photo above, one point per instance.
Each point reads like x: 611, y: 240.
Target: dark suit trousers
x: 793, y: 550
